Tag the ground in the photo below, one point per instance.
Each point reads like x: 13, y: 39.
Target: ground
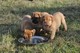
x: 12, y: 11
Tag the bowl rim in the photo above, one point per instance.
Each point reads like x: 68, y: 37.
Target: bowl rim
x: 32, y: 43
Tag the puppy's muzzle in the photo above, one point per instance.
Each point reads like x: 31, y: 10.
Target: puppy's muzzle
x: 35, y: 20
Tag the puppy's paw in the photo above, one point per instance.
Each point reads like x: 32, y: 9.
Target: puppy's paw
x: 65, y: 29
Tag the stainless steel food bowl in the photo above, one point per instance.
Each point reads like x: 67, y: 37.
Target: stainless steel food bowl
x: 35, y: 40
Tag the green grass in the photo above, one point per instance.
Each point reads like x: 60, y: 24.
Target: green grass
x: 11, y: 12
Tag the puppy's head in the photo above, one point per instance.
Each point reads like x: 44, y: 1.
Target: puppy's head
x: 36, y: 17
x: 28, y: 33
x: 47, y: 20
x: 36, y: 14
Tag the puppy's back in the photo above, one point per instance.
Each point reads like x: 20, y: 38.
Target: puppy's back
x: 58, y: 17
x: 26, y: 22
x: 27, y: 18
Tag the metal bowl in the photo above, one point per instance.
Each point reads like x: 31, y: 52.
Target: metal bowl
x: 35, y: 40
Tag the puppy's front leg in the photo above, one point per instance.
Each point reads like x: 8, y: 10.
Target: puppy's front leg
x: 53, y: 32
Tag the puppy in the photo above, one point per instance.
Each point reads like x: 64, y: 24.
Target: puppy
x: 27, y: 27
x: 51, y: 23
x: 37, y: 19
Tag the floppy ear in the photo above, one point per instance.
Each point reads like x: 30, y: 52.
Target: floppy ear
x: 52, y: 17
x: 33, y: 31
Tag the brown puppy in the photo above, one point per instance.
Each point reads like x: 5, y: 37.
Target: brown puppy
x: 27, y: 27
x: 37, y: 19
x: 52, y: 23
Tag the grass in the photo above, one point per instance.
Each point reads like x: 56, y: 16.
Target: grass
x: 11, y: 12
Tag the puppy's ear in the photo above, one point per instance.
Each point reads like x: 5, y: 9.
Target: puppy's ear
x: 33, y: 31
x: 52, y: 17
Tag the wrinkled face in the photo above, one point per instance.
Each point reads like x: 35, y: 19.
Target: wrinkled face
x: 36, y: 17
x: 47, y: 20
x: 28, y: 34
